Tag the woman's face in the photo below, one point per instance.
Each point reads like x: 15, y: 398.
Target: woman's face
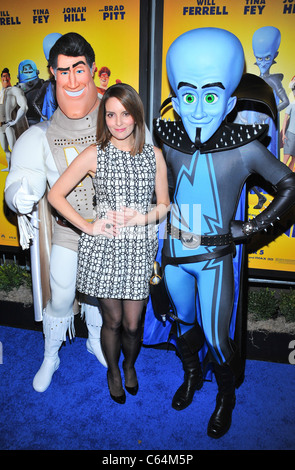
x: 120, y: 123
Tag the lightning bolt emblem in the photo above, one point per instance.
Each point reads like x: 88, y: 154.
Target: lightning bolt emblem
x: 197, y: 185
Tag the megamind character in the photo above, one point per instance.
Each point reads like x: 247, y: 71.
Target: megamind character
x: 210, y: 161
x: 265, y: 44
x: 45, y: 100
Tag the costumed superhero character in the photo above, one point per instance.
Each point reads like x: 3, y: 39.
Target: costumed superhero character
x: 13, y: 108
x: 30, y: 83
x: 42, y: 153
x: 45, y: 99
x: 210, y: 161
x: 40, y: 156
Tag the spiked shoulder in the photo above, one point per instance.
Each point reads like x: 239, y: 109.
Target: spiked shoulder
x: 228, y: 136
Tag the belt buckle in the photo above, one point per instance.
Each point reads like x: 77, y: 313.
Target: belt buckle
x: 190, y: 240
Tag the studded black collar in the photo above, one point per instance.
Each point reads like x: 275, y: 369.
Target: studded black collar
x: 228, y: 136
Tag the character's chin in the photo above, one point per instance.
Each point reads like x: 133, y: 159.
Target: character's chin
x: 198, y: 142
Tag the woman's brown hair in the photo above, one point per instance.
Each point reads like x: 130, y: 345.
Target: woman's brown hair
x: 131, y: 101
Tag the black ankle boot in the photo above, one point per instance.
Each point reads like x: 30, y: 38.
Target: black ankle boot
x: 188, y: 346
x: 193, y: 380
x: 221, y: 418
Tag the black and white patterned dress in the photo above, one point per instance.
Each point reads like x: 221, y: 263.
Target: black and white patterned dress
x: 120, y: 267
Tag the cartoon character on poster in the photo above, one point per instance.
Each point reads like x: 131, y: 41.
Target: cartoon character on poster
x: 13, y: 108
x: 104, y: 74
x: 30, y: 84
x: 288, y: 131
x: 209, y: 161
x: 265, y: 44
x: 44, y: 100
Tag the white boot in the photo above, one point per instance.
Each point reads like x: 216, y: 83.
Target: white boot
x: 93, y: 321
x: 49, y: 365
x: 55, y: 330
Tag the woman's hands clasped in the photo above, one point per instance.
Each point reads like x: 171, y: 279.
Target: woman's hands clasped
x: 111, y: 226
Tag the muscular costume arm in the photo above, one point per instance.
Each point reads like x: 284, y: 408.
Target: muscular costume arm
x: 28, y: 161
x: 283, y: 182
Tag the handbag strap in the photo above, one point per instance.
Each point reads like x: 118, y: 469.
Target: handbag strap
x: 175, y: 318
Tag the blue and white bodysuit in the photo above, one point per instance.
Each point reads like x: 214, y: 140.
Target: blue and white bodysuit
x: 201, y: 279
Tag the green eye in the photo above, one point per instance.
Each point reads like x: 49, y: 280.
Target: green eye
x: 211, y: 98
x: 189, y: 98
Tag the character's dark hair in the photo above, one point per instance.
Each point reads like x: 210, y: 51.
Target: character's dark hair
x: 6, y: 70
x: 71, y: 45
x: 131, y: 101
x: 104, y: 70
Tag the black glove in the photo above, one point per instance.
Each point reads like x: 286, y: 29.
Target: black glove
x: 281, y: 203
x: 241, y: 230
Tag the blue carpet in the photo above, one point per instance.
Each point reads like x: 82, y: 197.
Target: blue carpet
x: 76, y: 412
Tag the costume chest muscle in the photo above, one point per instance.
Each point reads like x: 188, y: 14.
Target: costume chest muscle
x: 65, y: 146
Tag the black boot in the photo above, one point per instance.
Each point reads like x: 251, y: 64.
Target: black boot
x: 221, y: 418
x: 188, y: 346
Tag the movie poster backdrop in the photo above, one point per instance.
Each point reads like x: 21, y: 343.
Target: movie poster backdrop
x: 112, y: 28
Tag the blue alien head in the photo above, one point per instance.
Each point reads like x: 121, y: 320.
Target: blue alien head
x: 27, y: 71
x: 204, y: 68
x: 265, y: 43
x: 48, y: 42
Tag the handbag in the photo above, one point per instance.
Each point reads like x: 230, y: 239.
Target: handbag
x: 159, y: 296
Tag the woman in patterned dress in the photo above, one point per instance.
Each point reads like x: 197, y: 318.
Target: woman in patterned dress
x: 117, y: 250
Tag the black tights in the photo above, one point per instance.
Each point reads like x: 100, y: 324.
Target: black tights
x: 121, y: 328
